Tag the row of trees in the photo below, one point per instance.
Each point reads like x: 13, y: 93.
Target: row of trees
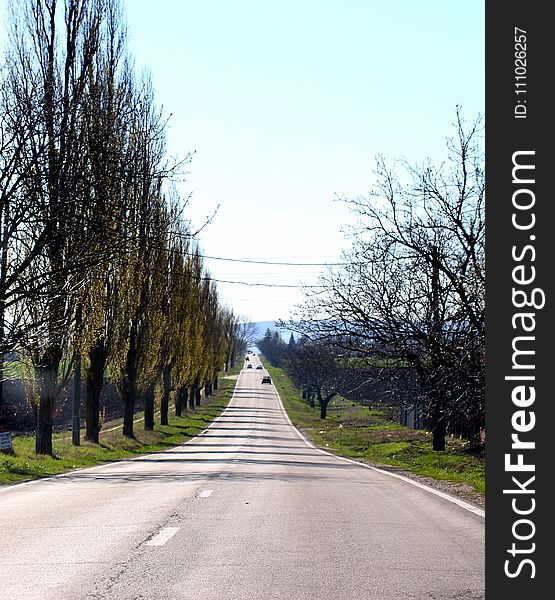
x: 99, y: 269
x: 274, y: 349
x: 319, y: 370
x: 410, y: 296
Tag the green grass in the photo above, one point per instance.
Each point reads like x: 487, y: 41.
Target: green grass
x: 113, y: 445
x: 353, y: 430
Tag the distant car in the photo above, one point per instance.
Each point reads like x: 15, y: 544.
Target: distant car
x: 259, y: 367
x: 247, y: 358
x: 266, y: 379
x: 249, y: 366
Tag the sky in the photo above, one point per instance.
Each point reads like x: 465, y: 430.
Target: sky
x: 286, y: 104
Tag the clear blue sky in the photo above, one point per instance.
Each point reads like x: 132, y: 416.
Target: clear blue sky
x: 287, y: 103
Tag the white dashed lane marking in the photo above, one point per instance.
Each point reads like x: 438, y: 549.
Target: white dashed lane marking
x: 205, y: 493
x: 162, y: 536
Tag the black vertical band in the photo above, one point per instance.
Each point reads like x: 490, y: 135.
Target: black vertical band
x: 520, y: 251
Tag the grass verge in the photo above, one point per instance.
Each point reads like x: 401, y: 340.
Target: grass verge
x: 113, y: 445
x: 355, y: 431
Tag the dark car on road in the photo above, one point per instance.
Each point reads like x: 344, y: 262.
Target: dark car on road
x: 259, y: 367
x: 249, y: 366
x: 266, y: 379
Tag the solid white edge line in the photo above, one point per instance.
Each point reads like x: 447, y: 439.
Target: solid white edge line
x: 465, y: 505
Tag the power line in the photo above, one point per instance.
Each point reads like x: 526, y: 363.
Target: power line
x: 250, y: 261
x: 184, y: 252
x: 266, y: 262
x: 272, y: 285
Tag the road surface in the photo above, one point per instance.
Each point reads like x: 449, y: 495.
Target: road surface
x: 247, y: 510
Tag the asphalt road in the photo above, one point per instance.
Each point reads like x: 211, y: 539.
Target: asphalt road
x: 247, y: 510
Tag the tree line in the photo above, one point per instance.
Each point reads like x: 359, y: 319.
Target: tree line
x: 100, y: 270
x: 409, y: 300
x: 319, y: 370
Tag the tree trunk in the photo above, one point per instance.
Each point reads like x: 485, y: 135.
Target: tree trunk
x: 215, y: 382
x: 164, y: 407
x: 165, y: 400
x: 438, y: 432
x: 438, y: 400
x: 179, y: 402
x: 48, y: 382
x: 43, y: 441
x: 92, y: 407
x: 1, y: 389
x: 76, y: 407
x: 323, y: 405
x: 3, y: 267
x: 198, y: 395
x: 128, y: 414
x: 311, y: 399
x: 2, y: 335
x: 149, y: 408
x: 192, y: 396
x: 184, y: 398
x: 94, y: 382
x: 128, y: 391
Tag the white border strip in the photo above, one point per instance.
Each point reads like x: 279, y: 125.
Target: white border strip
x: 469, y: 507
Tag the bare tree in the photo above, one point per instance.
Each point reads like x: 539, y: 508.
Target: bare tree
x: 142, y: 283
x: 48, y: 70
x: 14, y: 209
x: 413, y: 291
x: 320, y: 371
x: 108, y: 104
x: 240, y: 334
x: 245, y: 335
x: 93, y: 260
x: 174, y: 307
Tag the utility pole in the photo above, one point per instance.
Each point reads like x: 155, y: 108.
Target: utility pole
x: 76, y: 429
x: 76, y: 409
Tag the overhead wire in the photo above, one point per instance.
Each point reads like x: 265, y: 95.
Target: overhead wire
x: 266, y: 262
x: 253, y: 261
